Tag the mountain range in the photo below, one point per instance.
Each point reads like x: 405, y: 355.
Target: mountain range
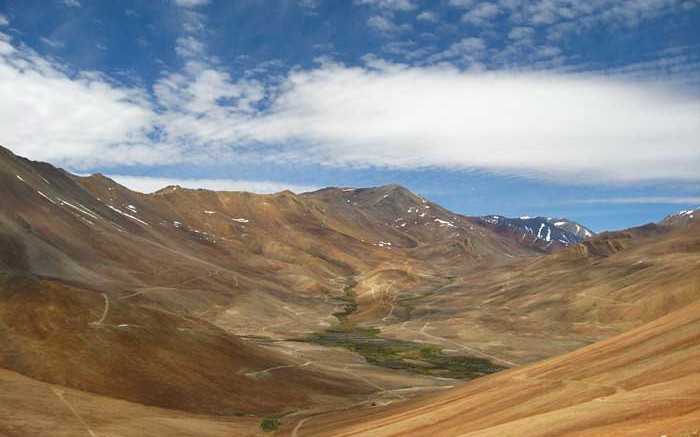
x: 339, y: 312
x: 554, y: 232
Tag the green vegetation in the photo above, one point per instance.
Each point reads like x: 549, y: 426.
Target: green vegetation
x: 397, y: 354
x: 270, y: 423
x: 349, y: 304
x: 405, y: 355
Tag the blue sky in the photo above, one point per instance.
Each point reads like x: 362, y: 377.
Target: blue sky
x: 589, y: 110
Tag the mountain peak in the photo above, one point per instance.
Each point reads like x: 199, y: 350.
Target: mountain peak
x: 550, y: 230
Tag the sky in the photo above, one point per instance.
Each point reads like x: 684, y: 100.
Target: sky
x: 588, y: 110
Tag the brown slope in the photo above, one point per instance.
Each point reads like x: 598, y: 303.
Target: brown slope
x: 52, y: 226
x: 392, y: 217
x: 530, y: 311
x: 642, y: 383
x: 67, y: 335
x: 32, y: 408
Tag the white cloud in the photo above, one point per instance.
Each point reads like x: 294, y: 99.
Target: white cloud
x: 191, y: 3
x: 428, y: 16
x: 309, y: 4
x: 521, y: 33
x: 189, y: 47
x: 469, y: 49
x: 482, y: 14
x: 72, y: 3
x: 147, y: 184
x: 383, y: 24
x: 3, y: 20
x: 462, y: 3
x: 47, y: 114
x: 551, y: 126
x: 6, y: 44
x: 396, y: 5
x: 563, y: 18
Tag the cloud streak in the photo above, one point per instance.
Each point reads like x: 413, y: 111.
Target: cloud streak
x: 681, y: 200
x: 147, y: 184
x: 553, y: 126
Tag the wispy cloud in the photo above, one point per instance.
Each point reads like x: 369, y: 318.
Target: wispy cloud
x: 147, y: 184
x: 428, y: 16
x: 190, y: 3
x: 482, y: 14
x: 309, y: 5
x: 395, y: 5
x: 72, y: 3
x: 4, y: 21
x: 384, y: 25
x: 680, y: 200
x: 469, y: 49
x: 52, y: 43
x: 384, y: 18
x: 521, y: 33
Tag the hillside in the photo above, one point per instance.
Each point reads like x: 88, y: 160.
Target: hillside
x: 642, y: 383
x: 129, y: 284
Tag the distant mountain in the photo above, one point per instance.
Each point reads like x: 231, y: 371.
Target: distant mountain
x: 682, y: 218
x: 393, y: 217
x: 551, y: 231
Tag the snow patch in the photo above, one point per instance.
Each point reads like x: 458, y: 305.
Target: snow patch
x: 46, y: 197
x: 444, y: 222
x: 79, y: 209
x: 240, y: 220
x: 127, y: 215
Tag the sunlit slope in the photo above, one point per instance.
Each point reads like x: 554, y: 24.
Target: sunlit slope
x: 641, y: 383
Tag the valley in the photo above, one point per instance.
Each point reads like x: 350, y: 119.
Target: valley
x: 339, y: 312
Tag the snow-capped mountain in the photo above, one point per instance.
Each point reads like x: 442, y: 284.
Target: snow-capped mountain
x: 547, y: 229
x: 682, y: 218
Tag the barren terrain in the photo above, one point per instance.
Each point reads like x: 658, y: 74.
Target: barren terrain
x: 338, y: 312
